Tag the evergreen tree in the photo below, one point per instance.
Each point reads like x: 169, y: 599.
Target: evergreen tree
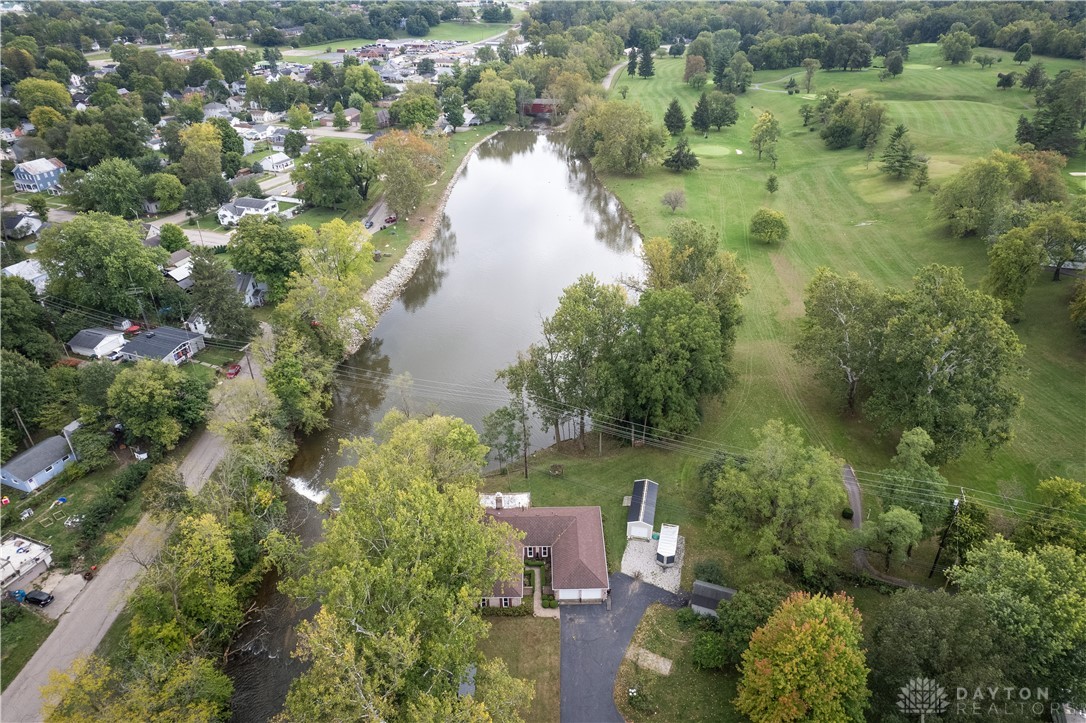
x: 631, y: 64
x: 920, y: 177
x: 899, y: 158
x: 771, y: 183
x: 1035, y: 77
x: 1024, y: 53
x: 1025, y: 133
x: 674, y: 118
x: 700, y: 119
x: 646, y: 69
x: 682, y: 158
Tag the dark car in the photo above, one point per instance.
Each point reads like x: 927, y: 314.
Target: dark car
x: 391, y: 219
x: 39, y: 598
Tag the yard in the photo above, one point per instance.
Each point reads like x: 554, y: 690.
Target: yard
x: 18, y: 641
x: 687, y: 693
x: 530, y: 648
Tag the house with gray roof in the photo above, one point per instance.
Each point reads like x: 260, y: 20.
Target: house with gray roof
x: 29, y: 470
x: 166, y: 344
x: 96, y: 342
x: 230, y: 213
x: 39, y: 175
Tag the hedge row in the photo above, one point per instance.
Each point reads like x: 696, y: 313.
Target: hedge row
x: 102, y: 509
x: 516, y: 611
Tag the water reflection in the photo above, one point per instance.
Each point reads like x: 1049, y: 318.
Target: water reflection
x: 602, y: 211
x: 433, y: 269
x: 506, y: 146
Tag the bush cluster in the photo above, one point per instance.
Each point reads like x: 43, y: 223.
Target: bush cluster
x: 514, y: 611
x: 102, y: 509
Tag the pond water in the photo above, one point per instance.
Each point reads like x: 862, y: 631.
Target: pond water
x: 523, y: 222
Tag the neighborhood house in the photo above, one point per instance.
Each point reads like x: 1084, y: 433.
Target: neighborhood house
x: 278, y: 162
x: 231, y: 213
x: 22, y: 560
x: 29, y: 470
x: 42, y: 174
x: 165, y: 344
x: 706, y: 597
x: 96, y: 342
x: 29, y: 270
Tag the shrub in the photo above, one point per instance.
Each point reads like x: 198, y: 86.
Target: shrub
x: 709, y: 651
x: 687, y: 618
x: 709, y: 571
x: 102, y: 509
x: 10, y: 611
x: 847, y: 513
x: 514, y: 611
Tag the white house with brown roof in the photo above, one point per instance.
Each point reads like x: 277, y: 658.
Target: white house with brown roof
x: 571, y: 539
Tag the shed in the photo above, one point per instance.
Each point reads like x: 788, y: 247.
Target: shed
x: 706, y: 597
x: 640, y: 518
x: 96, y: 342
x: 668, y: 546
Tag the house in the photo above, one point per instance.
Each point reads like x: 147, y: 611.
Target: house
x: 384, y: 120
x: 22, y: 560
x: 706, y: 596
x: 235, y: 104
x: 40, y: 175
x: 96, y: 342
x: 571, y: 538
x: 259, y: 115
x: 180, y: 259
x: 7, y: 135
x: 260, y: 132
x: 252, y: 291
x: 216, y: 110
x: 30, y: 469
x: 278, y: 138
x: 640, y: 518
x: 667, y: 549
x: 230, y: 213
x: 353, y: 114
x: 278, y: 162
x: 31, y: 271
x: 540, y: 107
x: 20, y: 225
x: 166, y: 344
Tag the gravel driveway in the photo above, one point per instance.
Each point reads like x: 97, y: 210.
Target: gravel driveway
x: 594, y: 641
x: 639, y: 560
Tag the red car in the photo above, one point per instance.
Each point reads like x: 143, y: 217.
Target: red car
x: 233, y: 370
x: 391, y: 219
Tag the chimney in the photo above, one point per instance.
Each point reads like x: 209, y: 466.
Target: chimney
x: 497, y: 500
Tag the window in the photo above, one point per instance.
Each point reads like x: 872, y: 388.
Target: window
x: 505, y: 602
x: 546, y: 552
x: 485, y: 603
x: 531, y: 551
x: 66, y: 458
x: 49, y: 468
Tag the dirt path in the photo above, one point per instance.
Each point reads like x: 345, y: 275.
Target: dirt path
x: 82, y: 627
x: 859, y: 556
x: 610, y: 77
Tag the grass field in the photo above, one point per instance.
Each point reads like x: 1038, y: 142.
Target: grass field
x: 18, y: 641
x: 851, y: 218
x: 530, y: 648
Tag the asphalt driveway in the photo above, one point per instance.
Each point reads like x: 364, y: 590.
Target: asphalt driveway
x: 594, y: 639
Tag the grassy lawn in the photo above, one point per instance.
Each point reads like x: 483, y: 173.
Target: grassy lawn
x: 851, y: 218
x: 530, y: 648
x: 7, y: 189
x: 208, y: 222
x: 217, y: 356
x: 198, y: 371
x: 18, y: 641
x: 468, y: 33
x: 687, y: 693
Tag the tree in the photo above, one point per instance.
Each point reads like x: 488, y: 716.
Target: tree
x: 365, y: 81
x: 268, y: 249
x: 452, y: 105
x: 501, y: 432
x: 806, y: 112
x: 742, y: 72
x: 920, y: 176
x: 299, y: 377
x: 157, y: 402
x: 895, y: 64
x: 1038, y: 600
x: 1059, y: 121
x: 841, y: 334
x: 43, y: 117
x: 768, y: 226
x: 765, y: 133
x: 333, y: 173
x: 619, y: 137
x: 217, y: 300
x: 293, y: 143
x: 896, y: 530
x: 806, y: 662
x: 34, y: 92
x: 115, y: 187
x: 810, y: 67
x: 781, y: 507
x: 934, y: 635
x: 748, y: 610
x: 681, y: 158
x: 493, y: 97
x: 1045, y: 175
x: 965, y: 528
x: 172, y: 238
x: 946, y: 365
x: 912, y: 484
x: 700, y: 119
x: 419, y: 109
x: 957, y: 46
x: 22, y: 323
x: 970, y: 199
x: 299, y: 116
x: 1023, y: 54
x: 202, y: 155
x: 1035, y: 77
x: 1061, y: 235
x: 1078, y: 306
x: 631, y: 62
x: 646, y: 68
x: 771, y: 183
x: 38, y: 203
x: 674, y: 118
x: 399, y: 629
x: 899, y: 158
x: 694, y: 64
x: 722, y: 110
x: 1006, y: 80
x: 1057, y: 522
x: 95, y: 258
x: 674, y: 199
x: 166, y: 189
x: 1013, y: 262
x: 408, y: 162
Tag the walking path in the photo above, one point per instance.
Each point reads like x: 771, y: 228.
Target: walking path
x: 89, y: 617
x: 537, y: 597
x: 859, y: 556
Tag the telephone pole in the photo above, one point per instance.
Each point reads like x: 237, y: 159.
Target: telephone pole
x: 942, y: 540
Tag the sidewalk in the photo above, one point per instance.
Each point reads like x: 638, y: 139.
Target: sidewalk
x: 537, y: 598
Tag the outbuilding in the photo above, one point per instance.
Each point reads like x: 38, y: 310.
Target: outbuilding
x: 668, y: 545
x: 96, y: 342
x: 640, y: 518
x: 706, y: 596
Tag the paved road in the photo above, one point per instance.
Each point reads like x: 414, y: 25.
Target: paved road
x: 607, y: 79
x: 56, y: 215
x: 594, y: 640
x: 859, y: 556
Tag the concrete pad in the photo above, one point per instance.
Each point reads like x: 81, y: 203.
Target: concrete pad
x: 649, y: 661
x: 639, y: 561
x: 64, y: 589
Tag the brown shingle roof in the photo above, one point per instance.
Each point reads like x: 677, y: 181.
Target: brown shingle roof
x: 575, y: 536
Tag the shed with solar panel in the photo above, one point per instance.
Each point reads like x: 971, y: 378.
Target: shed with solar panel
x: 642, y: 514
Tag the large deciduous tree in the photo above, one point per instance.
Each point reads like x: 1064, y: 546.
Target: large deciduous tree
x: 115, y: 187
x: 215, y: 296
x: 408, y: 162
x: 1059, y: 519
x: 896, y: 531
x: 202, y: 155
x: 157, y: 403
x: 268, y: 249
x: 748, y: 610
x: 619, y: 137
x: 913, y: 484
x: 768, y: 226
x: 1013, y: 263
x: 333, y: 173
x: 765, y: 133
x: 781, y: 506
x: 970, y: 199
x: 23, y: 322
x: 806, y: 663
x: 1038, y: 600
x: 300, y: 377
x: 95, y: 258
x: 957, y: 46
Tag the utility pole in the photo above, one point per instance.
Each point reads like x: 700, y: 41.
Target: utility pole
x: 942, y: 540
x: 22, y: 426
x: 249, y: 361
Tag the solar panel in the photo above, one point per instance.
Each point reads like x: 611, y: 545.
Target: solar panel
x: 651, y: 490
x: 635, y: 501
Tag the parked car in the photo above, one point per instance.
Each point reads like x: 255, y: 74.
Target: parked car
x: 116, y: 356
x: 39, y: 598
x: 369, y: 224
x: 391, y: 219
x: 233, y: 370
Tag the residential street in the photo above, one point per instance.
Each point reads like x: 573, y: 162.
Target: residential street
x: 90, y: 616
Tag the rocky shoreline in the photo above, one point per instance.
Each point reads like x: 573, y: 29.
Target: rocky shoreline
x: 388, y: 288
